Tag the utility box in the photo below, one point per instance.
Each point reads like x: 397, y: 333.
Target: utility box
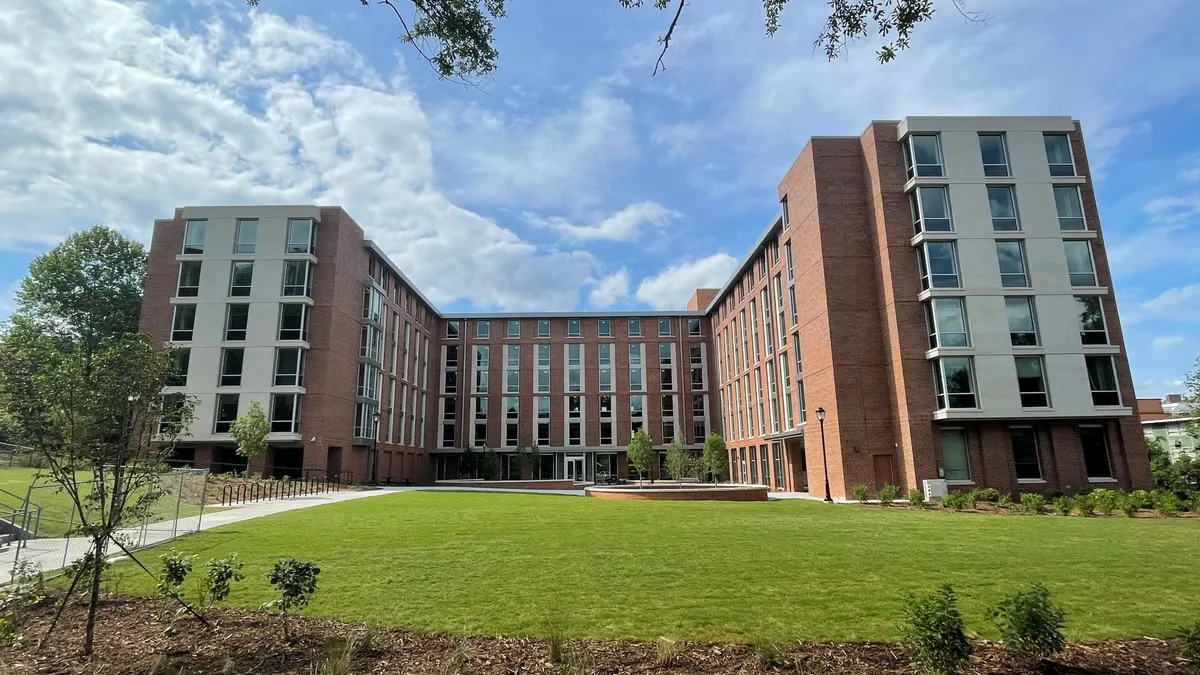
x: 934, y: 489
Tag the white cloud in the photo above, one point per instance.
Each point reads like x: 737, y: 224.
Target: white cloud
x: 610, y: 290
x: 671, y: 288
x: 1179, y: 300
x: 111, y: 118
x: 1164, y: 343
x: 628, y: 224
x: 8, y: 300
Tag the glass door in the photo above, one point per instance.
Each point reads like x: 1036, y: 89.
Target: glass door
x: 575, y: 469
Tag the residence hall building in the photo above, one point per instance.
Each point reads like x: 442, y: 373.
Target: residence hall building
x: 938, y: 286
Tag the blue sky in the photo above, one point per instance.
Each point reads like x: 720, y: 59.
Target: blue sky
x: 573, y: 178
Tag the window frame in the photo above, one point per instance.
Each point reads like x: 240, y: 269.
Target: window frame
x: 225, y: 426
x: 1103, y: 397
x: 176, y: 331
x: 225, y: 376
x: 292, y: 245
x: 193, y: 290
x: 942, y: 391
x: 1082, y: 217
x: 293, y: 423
x: 483, y: 329
x: 241, y: 247
x: 1007, y: 278
x: 1011, y: 190
x: 912, y: 168
x: 297, y: 376
x: 635, y: 332
x: 1095, y: 280
x: 1070, y: 153
x: 1036, y: 464
x: 966, y: 455
x: 452, y: 329
x: 1083, y: 331
x: 1032, y: 398
x: 543, y: 323
x: 306, y: 286
x: 511, y: 334
x: 916, y: 204
x: 1083, y: 450
x: 697, y: 332
x: 189, y: 228
x: 1031, y: 304
x: 935, y: 330
x: 229, y: 329
x: 661, y: 322
x: 574, y: 328
x: 1007, y: 170
x: 302, y: 334
x: 240, y: 290
x: 925, y: 267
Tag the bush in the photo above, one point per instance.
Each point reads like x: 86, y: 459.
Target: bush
x: 916, y: 497
x: 218, y: 580
x: 1128, y: 505
x: 972, y: 498
x: 956, y: 501
x: 175, y: 568
x: 1189, y: 647
x: 989, y: 495
x: 860, y: 493
x: 887, y: 494
x: 1063, y: 505
x: 16, y: 599
x: 1030, y: 623
x: 933, y: 634
x: 1085, y: 504
x: 1005, y: 502
x: 1033, y: 503
x: 296, y: 582
x: 1106, y: 501
x: 668, y: 652
x: 1165, y: 502
x: 1141, y: 499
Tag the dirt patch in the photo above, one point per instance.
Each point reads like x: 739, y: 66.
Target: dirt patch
x: 130, y: 640
x: 992, y: 509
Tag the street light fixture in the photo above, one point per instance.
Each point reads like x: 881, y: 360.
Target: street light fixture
x: 375, y: 450
x: 824, y: 456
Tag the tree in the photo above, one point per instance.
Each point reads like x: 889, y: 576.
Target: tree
x: 489, y: 465
x: 1191, y: 383
x: 250, y: 431
x: 455, y: 36
x: 296, y: 582
x: 680, y: 461
x: 716, y: 456
x: 640, y: 454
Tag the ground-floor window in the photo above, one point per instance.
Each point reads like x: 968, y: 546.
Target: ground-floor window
x: 1095, y: 452
x: 955, y: 465
x: 765, y: 461
x: 510, y: 467
x: 780, y: 483
x: 742, y: 458
x: 1025, y: 453
x: 753, y: 467
x: 605, y: 466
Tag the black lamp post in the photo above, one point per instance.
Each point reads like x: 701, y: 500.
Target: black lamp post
x: 824, y: 457
x: 375, y: 450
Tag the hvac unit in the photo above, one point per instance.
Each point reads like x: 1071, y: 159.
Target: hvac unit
x: 934, y: 489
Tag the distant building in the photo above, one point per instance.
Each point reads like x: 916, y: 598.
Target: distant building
x: 1166, y: 418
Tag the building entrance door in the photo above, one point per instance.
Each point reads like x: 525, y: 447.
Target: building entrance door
x: 575, y: 469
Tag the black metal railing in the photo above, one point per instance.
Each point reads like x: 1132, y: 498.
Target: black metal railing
x: 247, y: 492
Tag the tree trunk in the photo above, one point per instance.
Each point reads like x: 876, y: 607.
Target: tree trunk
x: 94, y: 601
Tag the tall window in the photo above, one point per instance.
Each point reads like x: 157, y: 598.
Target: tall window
x: 289, y: 366
x: 606, y: 420
x: 574, y: 420
x: 482, y: 330
x: 946, y: 319
x: 368, y: 381
x: 955, y: 465
x: 1094, y: 443
x: 184, y: 323
x: 995, y: 156
x: 449, y: 420
x: 245, y: 237
x: 955, y: 382
x: 1102, y: 378
x: 573, y: 330
x: 189, y: 279
x: 285, y: 413
x: 930, y: 209
x: 696, y: 360
x: 482, y: 362
x: 193, y: 237
x: 514, y: 329
x: 180, y: 360
x: 1022, y: 321
x: 922, y: 155
x: 668, y: 418
x: 450, y: 377
x: 783, y: 208
x: 1011, y: 257
x: 938, y: 265
x: 1079, y: 263
x: 1031, y: 382
x: 787, y: 258
x: 543, y: 420
x: 301, y: 236
x: 603, y: 327
x: 1091, y: 320
x: 1058, y: 155
x: 773, y: 397
x: 635, y: 367
x: 637, y: 413
x: 543, y: 368
x: 512, y: 418
x: 1004, y: 208
x: 665, y: 363
x: 1070, y: 209
x: 240, y: 278
x: 297, y: 279
x: 1025, y: 453
x: 293, y: 321
x: 754, y: 332
x: 605, y: 362
x: 699, y: 420
x: 231, y: 367
x: 574, y: 367
x: 785, y: 375
x: 543, y: 328
x: 664, y: 327
x: 512, y: 371
x: 227, y: 411
x: 481, y: 416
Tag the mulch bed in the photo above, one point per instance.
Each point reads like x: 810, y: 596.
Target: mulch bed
x: 129, y: 640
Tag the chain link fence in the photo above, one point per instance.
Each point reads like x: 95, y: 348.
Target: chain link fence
x: 49, y: 533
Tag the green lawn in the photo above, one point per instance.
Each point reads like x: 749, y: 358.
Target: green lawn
x: 501, y: 563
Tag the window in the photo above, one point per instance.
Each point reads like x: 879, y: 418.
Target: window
x: 1022, y: 322
x: 245, y: 237
x: 574, y: 420
x: 193, y: 237
x: 512, y: 416
x: 543, y: 328
x: 787, y: 258
x: 1102, y: 378
x: 189, y: 280
x: 289, y: 366
x: 482, y: 362
x: 482, y: 330
x: 573, y: 328
x: 636, y: 413
x: 452, y: 329
x: 368, y: 381
x: 481, y: 415
x: 635, y: 328
x: 1058, y: 155
x: 922, y: 155
x: 1094, y: 443
x: 184, y: 323
x: 1011, y: 257
x: 170, y: 420
x: 606, y: 421
x: 1091, y: 320
x: 995, y: 157
x: 696, y: 357
x: 227, y: 411
x: 604, y: 352
x: 783, y: 207
x: 293, y: 322
x: 946, y: 319
x: 240, y: 278
x: 296, y: 278
x: 512, y: 373
x: 449, y: 415
x: 514, y: 329
x: 668, y: 419
x: 543, y: 371
x: 373, y: 305
x: 664, y: 327
x: 1025, y: 453
x: 699, y: 423
x: 301, y: 236
x: 236, y: 319
x: 930, y: 209
x: 955, y: 466
x: 938, y: 265
x: 285, y: 413
x: 635, y: 380
x: 955, y: 382
x: 180, y: 360
x: 1031, y: 382
x: 1079, y: 263
x: 231, y: 367
x: 1004, y: 209
x: 1070, y: 208
x: 574, y: 372
x: 603, y: 328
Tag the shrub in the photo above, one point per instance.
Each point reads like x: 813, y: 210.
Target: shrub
x: 989, y: 495
x: 1141, y: 498
x: 916, y: 497
x: 887, y: 494
x: 972, y: 498
x: 296, y: 582
x: 1085, y: 504
x: 769, y: 654
x: 338, y: 654
x: 956, y: 501
x: 219, y: 577
x: 1005, y: 502
x: 1033, y: 503
x: 556, y: 641
x: 1194, y: 505
x: 1189, y: 647
x: 1106, y: 501
x: 933, y: 634
x: 668, y: 652
x: 1030, y: 623
x: 1063, y: 505
x: 1128, y: 505
x: 175, y: 568
x: 1165, y: 502
x: 860, y: 493
x: 16, y: 599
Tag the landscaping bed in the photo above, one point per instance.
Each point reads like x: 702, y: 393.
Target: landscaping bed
x: 130, y: 638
